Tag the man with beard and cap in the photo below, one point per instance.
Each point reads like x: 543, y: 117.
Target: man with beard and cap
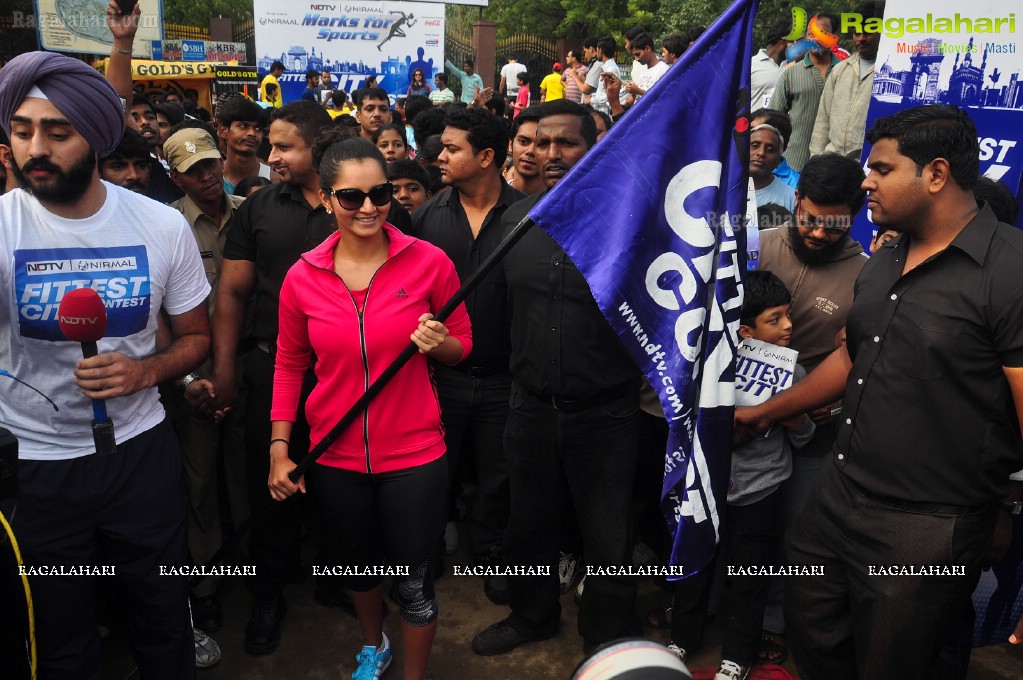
x: 573, y: 420
x: 80, y: 506
x: 818, y: 261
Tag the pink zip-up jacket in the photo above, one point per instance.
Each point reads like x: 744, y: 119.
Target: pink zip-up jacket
x: 318, y: 315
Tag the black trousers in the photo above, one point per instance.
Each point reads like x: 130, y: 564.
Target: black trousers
x: 754, y: 536
x: 128, y: 511
x: 752, y: 539
x: 854, y: 623
x: 475, y: 411
x: 386, y: 518
x: 591, y: 454
x: 276, y: 535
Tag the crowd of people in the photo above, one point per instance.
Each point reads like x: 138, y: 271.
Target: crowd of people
x: 262, y: 265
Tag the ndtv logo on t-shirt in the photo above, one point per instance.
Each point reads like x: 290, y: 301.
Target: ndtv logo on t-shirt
x: 80, y: 265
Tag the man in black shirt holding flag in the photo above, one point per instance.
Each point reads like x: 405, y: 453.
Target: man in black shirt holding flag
x: 573, y: 422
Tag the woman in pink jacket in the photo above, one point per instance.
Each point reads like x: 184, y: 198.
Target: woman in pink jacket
x: 352, y: 303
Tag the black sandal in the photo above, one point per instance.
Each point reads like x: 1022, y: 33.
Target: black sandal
x: 769, y: 646
x: 658, y: 618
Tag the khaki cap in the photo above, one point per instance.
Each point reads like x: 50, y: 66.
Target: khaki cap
x: 187, y: 147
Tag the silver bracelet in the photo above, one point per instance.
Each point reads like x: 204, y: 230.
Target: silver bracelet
x: 183, y: 383
x: 119, y: 50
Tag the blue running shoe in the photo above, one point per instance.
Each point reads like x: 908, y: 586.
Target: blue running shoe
x: 373, y: 661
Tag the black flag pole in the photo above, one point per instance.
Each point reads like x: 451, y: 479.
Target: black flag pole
x: 441, y: 315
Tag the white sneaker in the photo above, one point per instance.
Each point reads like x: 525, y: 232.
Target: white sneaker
x: 677, y: 651
x: 568, y: 568
x: 579, y: 590
x: 207, y: 651
x: 731, y: 671
x: 450, y: 538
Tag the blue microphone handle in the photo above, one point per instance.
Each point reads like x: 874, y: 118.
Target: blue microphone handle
x: 102, y: 426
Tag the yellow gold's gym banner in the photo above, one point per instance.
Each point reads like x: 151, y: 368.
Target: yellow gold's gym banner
x: 143, y: 69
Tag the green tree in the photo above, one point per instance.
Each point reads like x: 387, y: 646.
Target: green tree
x: 579, y: 18
x: 199, y: 12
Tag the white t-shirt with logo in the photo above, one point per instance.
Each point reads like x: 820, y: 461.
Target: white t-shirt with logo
x: 139, y: 255
x: 510, y: 72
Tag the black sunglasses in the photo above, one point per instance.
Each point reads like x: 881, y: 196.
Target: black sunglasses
x: 831, y: 225
x: 353, y: 199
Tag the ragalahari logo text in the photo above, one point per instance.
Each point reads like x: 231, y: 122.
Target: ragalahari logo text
x: 808, y: 36
x: 896, y: 27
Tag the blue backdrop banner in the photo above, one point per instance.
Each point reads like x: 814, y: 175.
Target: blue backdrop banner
x: 950, y: 52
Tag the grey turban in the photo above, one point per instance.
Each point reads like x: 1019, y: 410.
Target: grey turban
x: 80, y: 93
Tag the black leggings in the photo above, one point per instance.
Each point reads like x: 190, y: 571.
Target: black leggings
x: 390, y: 518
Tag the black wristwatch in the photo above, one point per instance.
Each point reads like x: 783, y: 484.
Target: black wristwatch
x: 1014, y: 508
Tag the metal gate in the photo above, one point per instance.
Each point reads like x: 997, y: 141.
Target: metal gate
x: 537, y: 54
x: 457, y: 48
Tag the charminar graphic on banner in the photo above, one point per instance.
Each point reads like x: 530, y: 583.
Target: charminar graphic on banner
x: 951, y: 52
x: 80, y: 26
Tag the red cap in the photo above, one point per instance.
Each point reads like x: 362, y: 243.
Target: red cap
x: 557, y: 66
x: 82, y: 316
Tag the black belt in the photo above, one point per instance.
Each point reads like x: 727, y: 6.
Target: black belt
x: 572, y: 405
x: 914, y: 506
x: 478, y: 371
x: 928, y: 508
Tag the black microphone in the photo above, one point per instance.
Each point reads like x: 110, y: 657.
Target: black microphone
x: 83, y: 318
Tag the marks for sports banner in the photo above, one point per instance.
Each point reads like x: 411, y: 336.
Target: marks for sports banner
x: 352, y: 41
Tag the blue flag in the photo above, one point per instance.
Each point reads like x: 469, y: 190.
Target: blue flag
x: 659, y: 239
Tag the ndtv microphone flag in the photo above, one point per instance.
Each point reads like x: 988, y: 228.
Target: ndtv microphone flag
x: 651, y: 217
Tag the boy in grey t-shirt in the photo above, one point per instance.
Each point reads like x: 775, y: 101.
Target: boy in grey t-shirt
x: 752, y: 527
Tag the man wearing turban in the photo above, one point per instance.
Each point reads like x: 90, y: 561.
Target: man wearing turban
x: 87, y: 510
